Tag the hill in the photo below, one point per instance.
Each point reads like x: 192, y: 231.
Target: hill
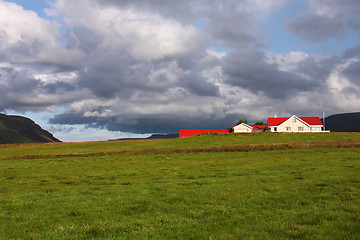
x: 17, y: 129
x: 344, y: 122
x: 164, y: 136
x: 152, y: 137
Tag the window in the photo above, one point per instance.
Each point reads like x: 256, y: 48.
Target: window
x: 315, y: 129
x: 294, y: 120
x: 300, y: 129
x: 275, y: 129
x: 288, y: 129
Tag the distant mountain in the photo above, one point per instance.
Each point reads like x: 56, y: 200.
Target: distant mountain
x: 16, y: 129
x: 164, y: 136
x: 154, y: 136
x: 344, y: 122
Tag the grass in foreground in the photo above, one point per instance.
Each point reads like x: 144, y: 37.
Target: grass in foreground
x: 293, y: 194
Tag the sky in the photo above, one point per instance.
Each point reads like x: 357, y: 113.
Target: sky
x: 91, y: 70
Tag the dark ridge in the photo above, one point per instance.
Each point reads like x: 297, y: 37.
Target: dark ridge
x: 154, y: 136
x: 344, y: 122
x: 17, y: 129
x: 164, y: 136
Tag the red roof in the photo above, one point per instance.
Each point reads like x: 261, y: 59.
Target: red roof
x: 276, y: 121
x: 258, y: 127
x: 309, y: 120
x: 193, y: 132
x: 312, y: 120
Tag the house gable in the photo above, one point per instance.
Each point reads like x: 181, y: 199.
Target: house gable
x: 242, y: 127
x: 293, y: 124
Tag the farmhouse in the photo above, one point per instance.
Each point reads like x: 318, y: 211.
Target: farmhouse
x: 295, y: 124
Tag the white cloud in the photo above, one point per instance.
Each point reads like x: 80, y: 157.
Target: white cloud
x: 27, y: 38
x: 146, y: 36
x: 335, y: 81
x: 53, y: 77
x: 288, y: 61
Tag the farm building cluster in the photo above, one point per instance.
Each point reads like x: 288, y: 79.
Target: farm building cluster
x: 274, y: 124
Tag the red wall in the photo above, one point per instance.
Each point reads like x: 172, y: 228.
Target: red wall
x: 193, y: 132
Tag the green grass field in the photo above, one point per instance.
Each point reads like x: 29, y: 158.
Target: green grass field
x: 310, y: 193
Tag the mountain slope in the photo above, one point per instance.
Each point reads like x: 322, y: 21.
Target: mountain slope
x: 152, y: 137
x: 16, y: 129
x: 344, y: 122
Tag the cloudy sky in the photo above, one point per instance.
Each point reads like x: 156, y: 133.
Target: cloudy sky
x: 104, y: 69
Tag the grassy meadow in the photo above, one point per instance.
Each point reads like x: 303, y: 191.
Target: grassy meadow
x: 116, y: 190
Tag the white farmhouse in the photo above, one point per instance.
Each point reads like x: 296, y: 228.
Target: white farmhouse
x: 295, y: 124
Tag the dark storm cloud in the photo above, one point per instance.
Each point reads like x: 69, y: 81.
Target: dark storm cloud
x: 20, y: 90
x: 17, y: 81
x: 318, y: 70
x: 230, y: 23
x: 105, y: 81
x: 326, y: 19
x: 72, y: 118
x: 352, y: 72
x: 109, y: 77
x: 171, y: 124
x: 58, y: 87
x: 164, y: 123
x: 314, y: 27
x: 249, y: 70
x: 353, y: 52
x: 199, y: 86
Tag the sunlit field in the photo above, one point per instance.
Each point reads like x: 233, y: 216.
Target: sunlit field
x: 252, y: 186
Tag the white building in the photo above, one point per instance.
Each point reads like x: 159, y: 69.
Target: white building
x: 295, y: 124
